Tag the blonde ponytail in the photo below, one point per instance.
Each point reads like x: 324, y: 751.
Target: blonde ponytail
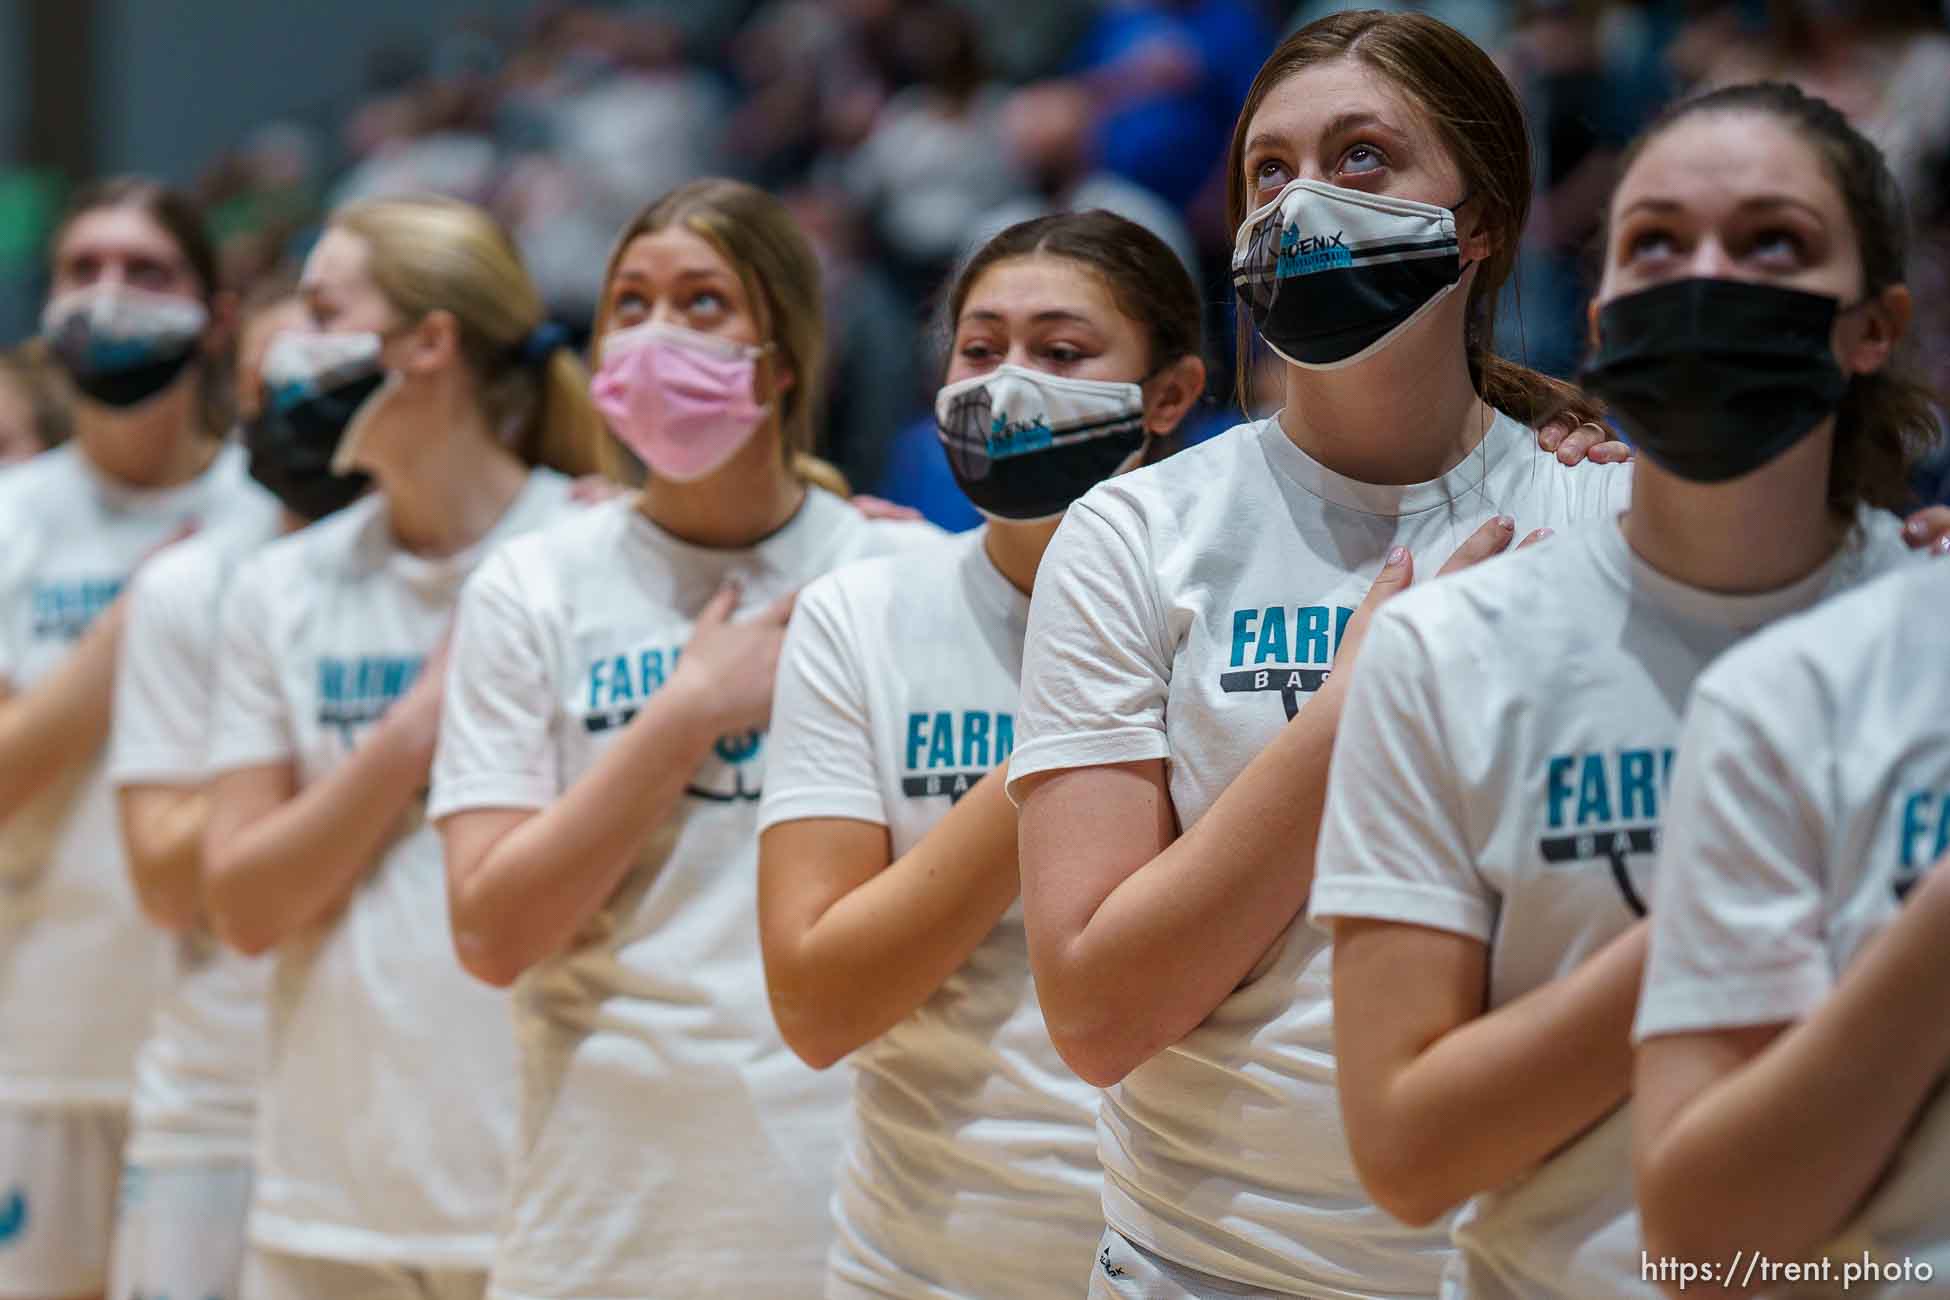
x: 814, y: 472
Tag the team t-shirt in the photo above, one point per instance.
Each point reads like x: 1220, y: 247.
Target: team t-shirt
x: 671, y: 1145
x: 196, y: 1075
x: 971, y: 1169
x: 1812, y: 792
x: 82, y: 966
x: 388, y: 1105
x: 1502, y: 772
x: 1185, y: 612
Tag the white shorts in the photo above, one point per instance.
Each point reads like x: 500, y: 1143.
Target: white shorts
x: 1124, y: 1271
x: 180, y: 1232
x: 58, y: 1170
x: 273, y: 1275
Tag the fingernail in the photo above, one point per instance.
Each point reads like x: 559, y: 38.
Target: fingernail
x: 1551, y: 440
x: 1397, y: 556
x: 1542, y: 533
x: 1943, y: 545
x: 1506, y: 523
x: 1914, y: 528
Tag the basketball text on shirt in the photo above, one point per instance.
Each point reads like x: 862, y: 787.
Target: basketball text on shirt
x: 947, y: 752
x: 1605, y: 806
x: 356, y: 692
x: 1282, y: 648
x: 63, y: 610
x: 1924, y: 834
x: 618, y: 686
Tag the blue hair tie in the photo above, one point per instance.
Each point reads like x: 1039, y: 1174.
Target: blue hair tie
x: 541, y: 343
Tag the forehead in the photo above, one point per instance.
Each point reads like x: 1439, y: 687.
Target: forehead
x: 1302, y: 105
x: 671, y: 252
x: 123, y: 229
x: 339, y: 258
x: 1027, y: 286
x: 1720, y: 160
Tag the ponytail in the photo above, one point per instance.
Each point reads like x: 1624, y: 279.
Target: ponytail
x: 565, y: 432
x: 814, y: 472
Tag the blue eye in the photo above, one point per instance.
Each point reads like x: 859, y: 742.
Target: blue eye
x: 1363, y: 158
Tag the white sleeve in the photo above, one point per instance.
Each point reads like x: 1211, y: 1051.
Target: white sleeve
x: 252, y: 724
x: 497, y: 737
x: 1096, y: 661
x: 165, y: 675
x: 819, y: 754
x: 1737, y: 901
x: 1393, y: 842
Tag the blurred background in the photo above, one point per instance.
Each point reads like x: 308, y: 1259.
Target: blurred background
x: 901, y: 131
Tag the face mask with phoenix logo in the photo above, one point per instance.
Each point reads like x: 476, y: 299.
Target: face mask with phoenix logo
x: 1024, y: 444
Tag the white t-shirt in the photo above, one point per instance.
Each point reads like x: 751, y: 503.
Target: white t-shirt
x: 670, y: 1144
x: 196, y: 1076
x: 1185, y: 611
x: 82, y: 966
x: 1812, y: 791
x: 972, y: 1166
x: 389, y: 1093
x: 1500, y: 773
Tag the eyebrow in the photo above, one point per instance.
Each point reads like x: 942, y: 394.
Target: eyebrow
x: 1049, y: 314
x: 688, y: 273
x: 1757, y: 202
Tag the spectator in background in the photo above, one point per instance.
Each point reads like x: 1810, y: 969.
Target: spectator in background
x: 34, y: 402
x: 1583, y: 111
x: 934, y: 160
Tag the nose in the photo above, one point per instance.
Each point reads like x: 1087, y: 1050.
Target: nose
x: 664, y: 312
x: 1018, y: 355
x: 1711, y: 260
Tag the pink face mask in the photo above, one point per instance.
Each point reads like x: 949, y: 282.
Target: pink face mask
x: 682, y: 401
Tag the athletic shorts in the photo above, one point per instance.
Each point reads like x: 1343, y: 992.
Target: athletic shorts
x: 58, y: 1170
x: 273, y: 1275
x: 179, y: 1232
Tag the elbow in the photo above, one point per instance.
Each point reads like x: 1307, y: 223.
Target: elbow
x: 175, y: 911
x: 238, y: 926
x: 1097, y: 1054
x: 1404, y: 1178
x: 489, y: 949
x: 820, y: 1040
x: 821, y: 1051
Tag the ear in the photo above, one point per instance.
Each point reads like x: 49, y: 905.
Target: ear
x: 1173, y: 391
x: 1866, y: 348
x: 779, y: 373
x: 1478, y: 245
x: 433, y: 344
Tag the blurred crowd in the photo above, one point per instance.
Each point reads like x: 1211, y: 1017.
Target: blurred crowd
x: 902, y: 132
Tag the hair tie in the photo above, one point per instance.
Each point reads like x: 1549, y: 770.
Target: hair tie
x: 541, y: 343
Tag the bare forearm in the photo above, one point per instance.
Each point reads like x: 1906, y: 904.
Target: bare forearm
x: 879, y: 953
x: 545, y: 879
x: 164, y: 840
x: 1493, y: 1098
x: 62, y: 721
x: 1861, y: 1065
x: 291, y: 867
x: 1175, y: 938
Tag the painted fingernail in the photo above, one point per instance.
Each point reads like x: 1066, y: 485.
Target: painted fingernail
x: 1915, y: 528
x: 1542, y: 533
x: 1943, y: 545
x: 1397, y: 556
x: 1506, y: 523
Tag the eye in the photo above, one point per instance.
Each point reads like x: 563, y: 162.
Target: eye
x: 1270, y: 174
x: 977, y: 350
x: 149, y: 275
x: 706, y: 301
x: 1361, y: 160
x: 630, y: 306
x: 1064, y: 354
x: 1778, y: 244
x: 1652, y: 242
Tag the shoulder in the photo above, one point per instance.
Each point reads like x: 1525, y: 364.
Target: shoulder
x: 185, y: 572
x: 1825, y: 658
x: 1497, y: 600
x: 325, y: 547
x: 53, y: 478
x: 921, y: 571
x: 1167, y: 488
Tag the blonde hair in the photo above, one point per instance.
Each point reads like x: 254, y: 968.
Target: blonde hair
x: 755, y: 234
x: 438, y: 254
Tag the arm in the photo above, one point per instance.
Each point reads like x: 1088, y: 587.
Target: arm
x: 162, y: 833
x: 522, y: 882
x: 279, y: 859
x: 1714, y: 1173
x: 1137, y: 933
x: 61, y: 722
x: 1442, y: 1101
x: 855, y: 944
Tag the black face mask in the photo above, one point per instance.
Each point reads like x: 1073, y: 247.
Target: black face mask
x: 1712, y: 379
x: 291, y: 448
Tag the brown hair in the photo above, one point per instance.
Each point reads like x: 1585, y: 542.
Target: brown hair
x: 1887, y: 420
x: 1480, y: 121
x: 179, y: 217
x: 439, y: 254
x: 776, y: 264
x: 1145, y: 278
x: 41, y: 382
